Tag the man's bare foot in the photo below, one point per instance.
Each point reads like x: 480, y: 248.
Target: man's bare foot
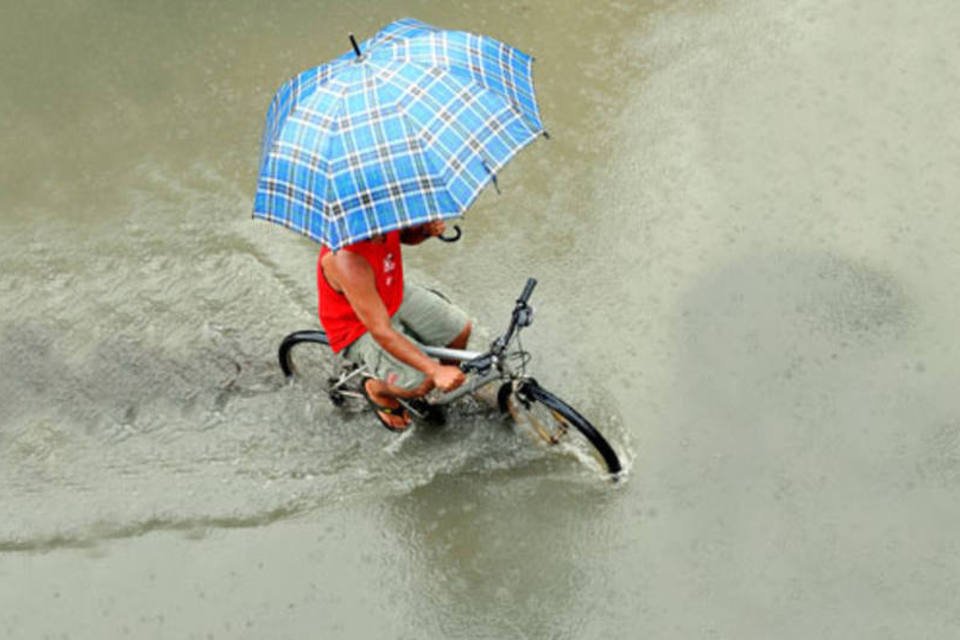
x: 388, y: 410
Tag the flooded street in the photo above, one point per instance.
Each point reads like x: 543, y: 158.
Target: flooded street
x: 746, y: 231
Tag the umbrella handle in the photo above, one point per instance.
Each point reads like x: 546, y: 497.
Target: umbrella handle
x: 456, y: 228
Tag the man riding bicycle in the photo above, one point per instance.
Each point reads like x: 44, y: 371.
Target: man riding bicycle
x: 376, y: 319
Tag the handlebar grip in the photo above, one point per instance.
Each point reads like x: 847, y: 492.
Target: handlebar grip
x: 527, y: 290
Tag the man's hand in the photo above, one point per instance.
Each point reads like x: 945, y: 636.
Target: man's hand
x: 447, y: 378
x: 419, y: 233
x: 434, y: 228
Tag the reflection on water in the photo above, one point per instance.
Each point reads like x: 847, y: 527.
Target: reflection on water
x: 501, y: 556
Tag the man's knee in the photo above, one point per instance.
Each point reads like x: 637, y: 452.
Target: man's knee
x: 460, y: 342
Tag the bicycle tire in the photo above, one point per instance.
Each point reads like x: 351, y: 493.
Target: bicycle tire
x: 526, y: 393
x: 284, y: 353
x: 322, y: 361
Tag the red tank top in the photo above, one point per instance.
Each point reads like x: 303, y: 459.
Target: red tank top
x: 336, y: 315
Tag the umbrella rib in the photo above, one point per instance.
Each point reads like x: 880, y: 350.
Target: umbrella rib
x: 475, y: 192
x: 423, y: 156
x: 491, y: 165
x: 502, y: 61
x: 510, y: 102
x: 329, y: 219
x: 318, y: 152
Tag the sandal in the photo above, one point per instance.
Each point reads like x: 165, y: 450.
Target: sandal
x: 379, y: 409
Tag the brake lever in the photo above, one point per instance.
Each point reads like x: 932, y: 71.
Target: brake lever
x: 454, y: 238
x: 525, y: 316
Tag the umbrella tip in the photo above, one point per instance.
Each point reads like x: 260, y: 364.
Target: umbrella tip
x: 356, y: 47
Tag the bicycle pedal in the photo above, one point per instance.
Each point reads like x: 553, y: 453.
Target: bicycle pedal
x: 430, y: 414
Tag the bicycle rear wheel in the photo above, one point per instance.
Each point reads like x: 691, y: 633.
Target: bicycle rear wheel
x: 555, y: 422
x: 307, y: 354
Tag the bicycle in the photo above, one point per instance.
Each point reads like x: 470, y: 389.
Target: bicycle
x: 519, y: 395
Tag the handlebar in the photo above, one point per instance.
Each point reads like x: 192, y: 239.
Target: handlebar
x: 527, y: 291
x: 522, y: 316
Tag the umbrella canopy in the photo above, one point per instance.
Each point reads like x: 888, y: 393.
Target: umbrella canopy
x: 406, y: 129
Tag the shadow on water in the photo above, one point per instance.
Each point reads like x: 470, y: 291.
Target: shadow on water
x: 794, y: 394
x: 840, y: 300
x: 778, y: 347
x: 788, y: 330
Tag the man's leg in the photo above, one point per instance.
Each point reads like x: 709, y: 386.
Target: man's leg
x: 433, y: 319
x: 425, y: 318
x: 386, y: 395
x: 460, y: 342
x: 391, y: 379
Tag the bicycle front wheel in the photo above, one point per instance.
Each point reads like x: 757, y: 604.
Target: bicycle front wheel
x: 555, y: 422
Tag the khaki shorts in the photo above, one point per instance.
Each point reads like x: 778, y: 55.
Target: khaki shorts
x: 426, y: 319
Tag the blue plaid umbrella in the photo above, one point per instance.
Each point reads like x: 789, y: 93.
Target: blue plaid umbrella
x: 406, y: 129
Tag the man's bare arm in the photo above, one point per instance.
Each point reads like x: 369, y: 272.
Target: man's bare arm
x: 355, y: 277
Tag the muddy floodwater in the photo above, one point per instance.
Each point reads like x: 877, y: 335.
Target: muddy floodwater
x: 747, y: 235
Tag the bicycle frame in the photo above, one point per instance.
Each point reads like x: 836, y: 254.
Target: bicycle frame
x: 475, y: 381
x: 499, y: 370
x: 482, y: 368
x: 498, y: 363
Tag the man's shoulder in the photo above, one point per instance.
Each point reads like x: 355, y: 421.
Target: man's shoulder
x: 344, y: 259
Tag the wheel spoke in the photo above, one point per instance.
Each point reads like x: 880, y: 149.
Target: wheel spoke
x: 548, y: 436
